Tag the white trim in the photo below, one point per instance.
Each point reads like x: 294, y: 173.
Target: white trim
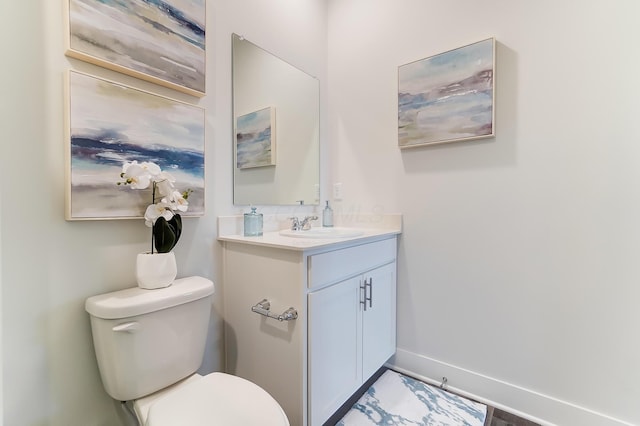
x: 1, y: 316
x: 500, y: 394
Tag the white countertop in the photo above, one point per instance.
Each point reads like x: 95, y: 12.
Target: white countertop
x: 371, y: 228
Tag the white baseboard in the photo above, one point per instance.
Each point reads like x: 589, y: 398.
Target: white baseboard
x: 497, y: 393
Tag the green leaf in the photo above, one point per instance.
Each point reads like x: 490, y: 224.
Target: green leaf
x: 176, y: 223
x: 164, y: 236
x: 167, y: 233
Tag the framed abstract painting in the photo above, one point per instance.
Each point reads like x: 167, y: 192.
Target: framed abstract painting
x: 448, y: 97
x: 255, y: 139
x: 110, y: 124
x: 159, y: 41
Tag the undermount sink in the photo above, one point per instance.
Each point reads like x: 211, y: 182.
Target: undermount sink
x: 323, y: 233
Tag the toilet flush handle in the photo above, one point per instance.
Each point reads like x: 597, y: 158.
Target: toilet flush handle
x: 128, y: 327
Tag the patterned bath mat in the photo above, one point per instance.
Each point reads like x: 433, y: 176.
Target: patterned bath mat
x: 395, y: 399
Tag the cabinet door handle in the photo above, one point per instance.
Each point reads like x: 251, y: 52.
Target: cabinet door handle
x: 363, y: 288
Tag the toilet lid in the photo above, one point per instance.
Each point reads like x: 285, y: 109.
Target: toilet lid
x: 217, y: 399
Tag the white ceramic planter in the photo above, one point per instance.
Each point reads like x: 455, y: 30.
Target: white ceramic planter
x: 156, y: 270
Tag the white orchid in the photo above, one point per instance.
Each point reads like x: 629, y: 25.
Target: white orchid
x: 139, y: 175
x: 177, y: 200
x: 164, y: 184
x: 167, y: 225
x: 154, y: 211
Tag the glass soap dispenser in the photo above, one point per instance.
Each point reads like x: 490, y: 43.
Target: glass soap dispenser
x: 327, y: 216
x: 253, y: 223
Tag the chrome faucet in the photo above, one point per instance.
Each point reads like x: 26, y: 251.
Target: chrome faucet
x: 302, y: 225
x: 295, y: 223
x: 305, y: 224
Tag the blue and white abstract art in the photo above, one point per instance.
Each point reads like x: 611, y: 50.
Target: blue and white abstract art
x: 110, y: 124
x: 162, y: 41
x: 447, y: 97
x: 395, y: 399
x: 255, y: 139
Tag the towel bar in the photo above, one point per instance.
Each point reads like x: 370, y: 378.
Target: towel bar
x: 263, y: 308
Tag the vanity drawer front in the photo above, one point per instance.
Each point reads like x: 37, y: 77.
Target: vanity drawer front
x: 333, y: 266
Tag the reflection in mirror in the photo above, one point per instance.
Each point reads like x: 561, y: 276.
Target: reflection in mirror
x: 276, y: 129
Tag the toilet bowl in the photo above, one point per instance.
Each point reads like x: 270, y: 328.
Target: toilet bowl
x: 149, y: 344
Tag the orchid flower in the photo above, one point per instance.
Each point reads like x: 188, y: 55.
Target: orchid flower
x: 166, y: 225
x: 154, y: 211
x: 177, y: 201
x: 164, y: 183
x: 135, y: 175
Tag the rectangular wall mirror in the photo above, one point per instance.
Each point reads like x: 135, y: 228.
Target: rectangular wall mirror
x: 276, y: 119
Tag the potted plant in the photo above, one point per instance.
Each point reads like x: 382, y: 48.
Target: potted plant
x: 157, y: 268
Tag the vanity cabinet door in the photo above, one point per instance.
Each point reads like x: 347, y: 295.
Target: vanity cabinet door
x: 335, y: 348
x: 379, y: 319
x: 348, y: 343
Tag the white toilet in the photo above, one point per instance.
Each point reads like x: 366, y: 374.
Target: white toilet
x: 149, y: 344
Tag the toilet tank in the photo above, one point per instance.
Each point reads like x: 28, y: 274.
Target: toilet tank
x: 146, y: 340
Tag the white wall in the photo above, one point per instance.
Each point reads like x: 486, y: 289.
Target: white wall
x: 50, y: 266
x: 518, y: 272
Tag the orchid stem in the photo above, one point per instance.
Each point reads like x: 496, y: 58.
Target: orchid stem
x: 153, y: 200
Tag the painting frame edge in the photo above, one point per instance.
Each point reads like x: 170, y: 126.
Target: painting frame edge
x: 91, y: 59
x: 493, y: 97
x: 68, y: 157
x: 272, y: 118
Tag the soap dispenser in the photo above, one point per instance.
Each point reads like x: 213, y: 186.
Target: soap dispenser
x: 327, y: 216
x: 253, y: 223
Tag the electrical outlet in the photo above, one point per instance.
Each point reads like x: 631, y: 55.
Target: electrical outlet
x: 337, y: 191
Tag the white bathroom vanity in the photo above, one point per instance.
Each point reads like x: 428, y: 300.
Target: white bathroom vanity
x: 310, y: 317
